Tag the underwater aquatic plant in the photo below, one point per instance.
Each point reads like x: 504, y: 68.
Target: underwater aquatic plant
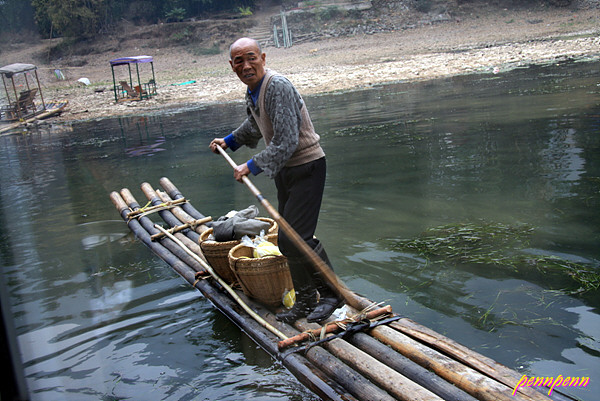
x: 497, y: 244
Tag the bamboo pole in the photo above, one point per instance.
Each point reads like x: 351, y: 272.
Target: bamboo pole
x: 155, y: 208
x: 158, y: 248
x: 465, y: 355
x: 175, y: 194
x: 408, y: 368
x: 391, y: 381
x: 191, y: 238
x: 148, y: 225
x: 351, y: 298
x: 478, y: 385
x: 358, y: 385
x: 275, y: 38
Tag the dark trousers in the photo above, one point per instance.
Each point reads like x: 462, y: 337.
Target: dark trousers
x: 299, y: 193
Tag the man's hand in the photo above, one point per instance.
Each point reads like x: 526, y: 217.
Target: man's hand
x: 240, y: 171
x: 217, y: 142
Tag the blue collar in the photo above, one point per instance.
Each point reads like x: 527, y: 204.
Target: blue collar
x: 254, y: 93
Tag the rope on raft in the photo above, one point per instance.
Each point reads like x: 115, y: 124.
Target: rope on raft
x: 367, y: 314
x: 351, y: 328
x: 191, y: 225
x: 147, y: 209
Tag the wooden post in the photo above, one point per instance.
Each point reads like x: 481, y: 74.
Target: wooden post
x: 275, y: 36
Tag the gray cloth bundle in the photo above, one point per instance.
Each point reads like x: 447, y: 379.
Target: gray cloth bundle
x: 242, y: 223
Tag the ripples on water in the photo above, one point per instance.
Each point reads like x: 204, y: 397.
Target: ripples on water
x: 100, y: 317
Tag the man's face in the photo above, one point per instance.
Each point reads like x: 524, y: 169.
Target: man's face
x: 248, y: 62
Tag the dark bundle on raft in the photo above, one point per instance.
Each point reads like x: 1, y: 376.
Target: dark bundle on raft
x: 385, y: 356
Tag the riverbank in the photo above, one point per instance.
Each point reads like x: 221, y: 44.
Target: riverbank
x: 470, y: 43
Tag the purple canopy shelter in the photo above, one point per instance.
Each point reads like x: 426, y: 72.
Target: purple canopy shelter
x: 127, y: 91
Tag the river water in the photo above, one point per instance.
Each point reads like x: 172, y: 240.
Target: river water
x: 98, y: 316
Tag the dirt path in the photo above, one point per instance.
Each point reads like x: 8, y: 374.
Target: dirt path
x: 488, y: 43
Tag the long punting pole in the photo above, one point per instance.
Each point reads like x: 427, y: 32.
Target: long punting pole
x: 494, y: 370
x: 351, y: 298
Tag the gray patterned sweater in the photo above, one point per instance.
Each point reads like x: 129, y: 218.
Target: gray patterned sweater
x: 282, y: 120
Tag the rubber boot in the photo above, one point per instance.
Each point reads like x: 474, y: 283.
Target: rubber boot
x: 306, y: 293
x: 329, y: 301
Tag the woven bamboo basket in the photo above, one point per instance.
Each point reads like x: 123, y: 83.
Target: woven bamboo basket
x: 265, y: 279
x: 216, y: 253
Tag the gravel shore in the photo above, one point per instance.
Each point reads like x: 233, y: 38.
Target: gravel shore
x: 486, y: 44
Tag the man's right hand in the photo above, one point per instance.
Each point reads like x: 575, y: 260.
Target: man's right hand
x: 217, y: 142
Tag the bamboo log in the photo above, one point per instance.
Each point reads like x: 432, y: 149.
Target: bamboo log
x: 183, y: 217
x: 358, y: 385
x: 166, y: 215
x: 465, y: 355
x: 408, y: 368
x: 329, y: 328
x: 391, y: 381
x: 175, y: 194
x: 479, y: 386
x: 134, y: 225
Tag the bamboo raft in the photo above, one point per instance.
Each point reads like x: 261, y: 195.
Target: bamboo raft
x: 381, y: 356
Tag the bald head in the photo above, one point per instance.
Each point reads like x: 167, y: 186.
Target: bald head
x: 244, y: 42
x: 247, y: 61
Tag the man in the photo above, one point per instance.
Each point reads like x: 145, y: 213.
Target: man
x: 294, y: 158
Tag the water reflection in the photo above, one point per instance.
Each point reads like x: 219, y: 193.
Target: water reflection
x: 98, y: 316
